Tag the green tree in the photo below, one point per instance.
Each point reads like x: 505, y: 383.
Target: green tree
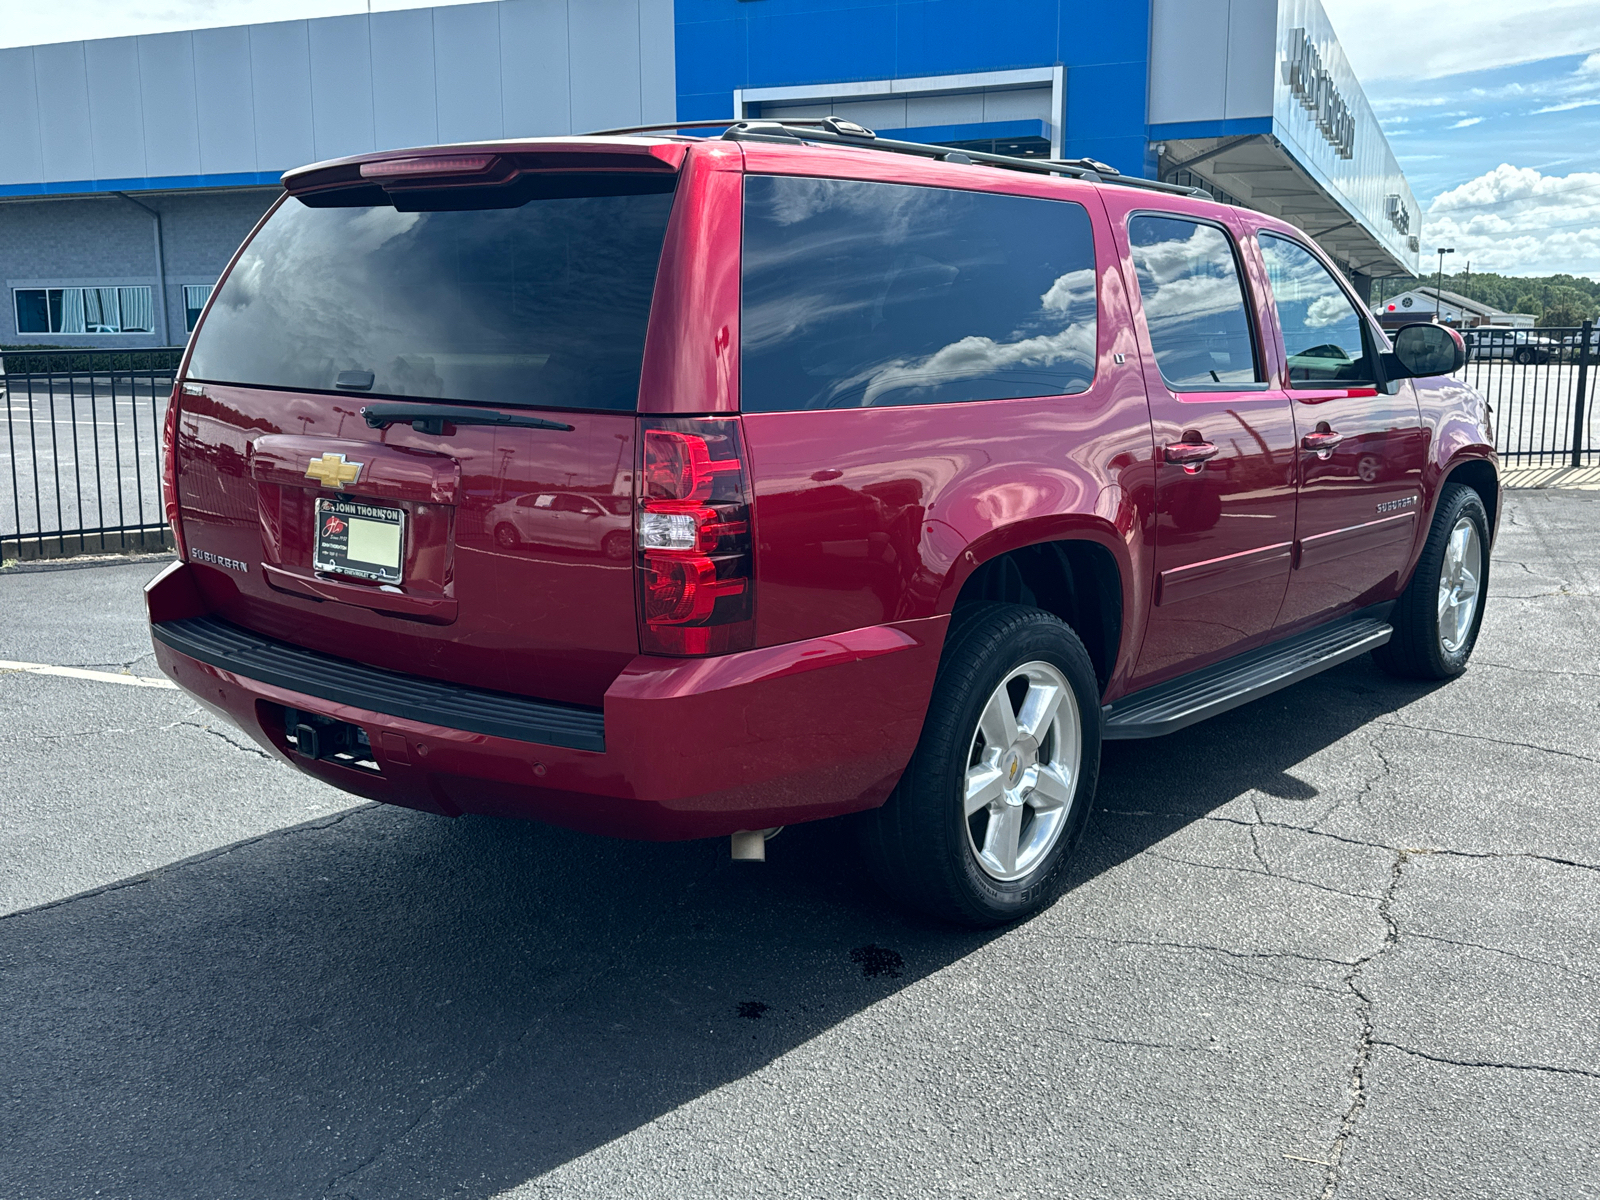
x: 1527, y: 303
x: 1565, y: 306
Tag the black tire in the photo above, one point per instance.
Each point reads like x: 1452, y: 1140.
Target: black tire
x: 1418, y: 648
x: 1524, y: 356
x: 918, y: 845
x: 506, y: 536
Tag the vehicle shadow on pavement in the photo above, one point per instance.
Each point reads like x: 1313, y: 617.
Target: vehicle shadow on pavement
x: 385, y: 1003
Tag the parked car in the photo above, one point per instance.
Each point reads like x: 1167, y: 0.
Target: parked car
x: 1514, y: 345
x: 943, y: 474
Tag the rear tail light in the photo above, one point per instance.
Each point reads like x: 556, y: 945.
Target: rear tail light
x: 694, y: 542
x: 169, y: 471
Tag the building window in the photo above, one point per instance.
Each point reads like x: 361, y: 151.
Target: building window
x: 85, y: 310
x: 195, y: 296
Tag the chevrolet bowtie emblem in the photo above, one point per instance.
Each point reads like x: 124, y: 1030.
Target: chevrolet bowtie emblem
x: 331, y: 470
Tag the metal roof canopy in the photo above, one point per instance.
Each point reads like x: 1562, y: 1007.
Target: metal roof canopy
x: 1257, y: 171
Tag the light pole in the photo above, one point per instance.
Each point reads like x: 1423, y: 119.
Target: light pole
x: 1437, y: 299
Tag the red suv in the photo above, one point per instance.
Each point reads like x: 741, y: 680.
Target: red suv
x: 936, y: 470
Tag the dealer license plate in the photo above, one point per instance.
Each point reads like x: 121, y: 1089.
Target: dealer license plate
x: 364, y: 540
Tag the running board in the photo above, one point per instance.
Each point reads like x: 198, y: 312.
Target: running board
x: 1180, y: 702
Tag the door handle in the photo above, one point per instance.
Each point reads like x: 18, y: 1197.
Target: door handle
x: 1322, y: 441
x: 1191, y: 456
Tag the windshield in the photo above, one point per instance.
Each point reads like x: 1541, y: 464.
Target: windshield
x: 543, y: 304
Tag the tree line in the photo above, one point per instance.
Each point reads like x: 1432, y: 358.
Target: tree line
x: 1556, y: 300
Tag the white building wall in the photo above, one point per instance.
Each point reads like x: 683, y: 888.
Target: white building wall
x: 1211, y: 60
x: 264, y: 98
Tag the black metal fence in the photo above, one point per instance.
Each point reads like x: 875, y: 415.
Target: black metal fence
x: 1541, y: 385
x: 82, y: 444
x: 83, y: 431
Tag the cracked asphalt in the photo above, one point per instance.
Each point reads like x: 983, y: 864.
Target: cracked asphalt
x: 1340, y: 942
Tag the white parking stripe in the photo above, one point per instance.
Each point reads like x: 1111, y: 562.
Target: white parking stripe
x: 80, y: 673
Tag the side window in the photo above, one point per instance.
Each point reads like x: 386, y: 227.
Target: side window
x: 1193, y: 303
x: 1321, y: 328
x: 860, y: 294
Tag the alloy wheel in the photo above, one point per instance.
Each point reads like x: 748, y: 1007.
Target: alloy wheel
x: 1459, y: 585
x: 1022, y: 770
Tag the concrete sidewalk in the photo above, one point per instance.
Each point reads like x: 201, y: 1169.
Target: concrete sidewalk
x: 1340, y: 942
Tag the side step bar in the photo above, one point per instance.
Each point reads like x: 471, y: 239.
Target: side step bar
x: 1180, y: 702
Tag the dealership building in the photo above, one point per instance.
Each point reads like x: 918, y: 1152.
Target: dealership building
x: 131, y: 168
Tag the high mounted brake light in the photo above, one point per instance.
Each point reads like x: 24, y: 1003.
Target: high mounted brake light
x: 453, y: 164
x: 694, y: 542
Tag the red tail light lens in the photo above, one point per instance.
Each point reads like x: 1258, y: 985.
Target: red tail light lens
x: 169, y: 471
x: 694, y: 539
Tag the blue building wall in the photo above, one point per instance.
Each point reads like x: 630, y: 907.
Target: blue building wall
x: 723, y: 45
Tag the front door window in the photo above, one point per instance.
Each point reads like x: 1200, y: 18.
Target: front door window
x: 1322, y: 332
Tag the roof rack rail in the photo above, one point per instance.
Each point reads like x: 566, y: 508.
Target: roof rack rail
x: 840, y: 132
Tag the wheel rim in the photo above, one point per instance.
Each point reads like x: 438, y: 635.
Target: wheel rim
x: 1460, y: 581
x: 1022, y: 771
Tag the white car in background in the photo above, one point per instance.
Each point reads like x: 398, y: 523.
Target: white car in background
x: 600, y: 524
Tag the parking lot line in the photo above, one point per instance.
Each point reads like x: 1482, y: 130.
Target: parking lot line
x: 7, y: 666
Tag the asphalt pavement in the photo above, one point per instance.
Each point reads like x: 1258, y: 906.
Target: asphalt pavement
x: 1340, y: 942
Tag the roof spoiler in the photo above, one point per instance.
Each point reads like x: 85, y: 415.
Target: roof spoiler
x: 480, y: 165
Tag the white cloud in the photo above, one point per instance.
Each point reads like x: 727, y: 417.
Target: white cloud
x: 1517, y: 221
x: 1468, y: 121
x: 1424, y: 39
x: 1570, y: 104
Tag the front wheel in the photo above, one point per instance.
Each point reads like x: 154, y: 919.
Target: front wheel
x: 1437, y: 617
x: 998, y: 792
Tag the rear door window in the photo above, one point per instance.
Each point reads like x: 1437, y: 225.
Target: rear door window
x: 1194, y: 303
x: 862, y: 295
x: 542, y: 304
x: 1322, y: 332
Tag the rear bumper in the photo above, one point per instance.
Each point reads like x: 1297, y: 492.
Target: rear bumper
x: 685, y: 747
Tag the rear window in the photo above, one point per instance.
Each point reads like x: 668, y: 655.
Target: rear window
x: 874, y: 294
x: 543, y: 304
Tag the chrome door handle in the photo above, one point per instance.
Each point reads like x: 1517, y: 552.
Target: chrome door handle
x: 1322, y: 442
x: 1191, y: 456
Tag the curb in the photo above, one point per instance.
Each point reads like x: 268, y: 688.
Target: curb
x: 37, y: 566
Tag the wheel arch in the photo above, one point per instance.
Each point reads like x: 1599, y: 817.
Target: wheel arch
x: 1481, y: 476
x: 1077, y: 579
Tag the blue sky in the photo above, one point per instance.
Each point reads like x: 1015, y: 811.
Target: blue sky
x: 1493, y: 110
x: 1543, y: 114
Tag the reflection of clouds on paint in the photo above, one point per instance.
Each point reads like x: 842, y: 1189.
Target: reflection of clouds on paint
x: 1069, y: 298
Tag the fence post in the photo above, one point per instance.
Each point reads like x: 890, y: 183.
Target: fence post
x: 1583, y: 394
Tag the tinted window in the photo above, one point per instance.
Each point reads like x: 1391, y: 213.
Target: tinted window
x: 869, y: 294
x: 1193, y: 303
x: 1321, y: 328
x: 543, y: 304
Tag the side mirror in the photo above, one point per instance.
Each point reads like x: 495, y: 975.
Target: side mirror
x: 1426, y: 350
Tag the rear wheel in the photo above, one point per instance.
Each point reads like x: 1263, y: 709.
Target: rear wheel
x: 1437, y: 618
x: 998, y: 792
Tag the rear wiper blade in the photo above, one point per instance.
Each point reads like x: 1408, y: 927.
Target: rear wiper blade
x: 432, y: 418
